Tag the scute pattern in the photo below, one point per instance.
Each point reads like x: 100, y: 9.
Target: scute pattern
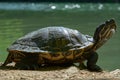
x: 50, y: 39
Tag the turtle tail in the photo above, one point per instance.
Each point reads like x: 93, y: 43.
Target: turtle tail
x: 103, y: 33
x: 8, y: 60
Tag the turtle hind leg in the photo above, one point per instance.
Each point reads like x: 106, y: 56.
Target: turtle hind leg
x: 29, y: 62
x: 91, y: 64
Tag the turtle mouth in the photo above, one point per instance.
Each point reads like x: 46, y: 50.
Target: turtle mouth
x: 110, y: 34
x: 113, y: 31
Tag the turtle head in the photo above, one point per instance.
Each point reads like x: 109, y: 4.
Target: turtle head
x: 103, y: 33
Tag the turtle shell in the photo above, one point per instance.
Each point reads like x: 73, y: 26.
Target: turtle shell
x: 51, y: 39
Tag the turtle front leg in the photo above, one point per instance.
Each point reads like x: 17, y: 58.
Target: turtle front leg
x: 91, y: 64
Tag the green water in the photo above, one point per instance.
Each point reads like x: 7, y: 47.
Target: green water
x: 16, y: 23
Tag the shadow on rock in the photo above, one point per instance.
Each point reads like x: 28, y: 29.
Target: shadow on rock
x: 41, y: 68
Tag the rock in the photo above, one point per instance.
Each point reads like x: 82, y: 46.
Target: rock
x: 115, y: 73
x: 56, y: 73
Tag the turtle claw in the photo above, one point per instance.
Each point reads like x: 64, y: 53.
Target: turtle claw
x: 94, y: 68
x: 34, y: 67
x: 81, y: 66
x: 22, y: 66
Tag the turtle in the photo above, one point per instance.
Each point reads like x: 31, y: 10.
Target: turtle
x: 59, y: 45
